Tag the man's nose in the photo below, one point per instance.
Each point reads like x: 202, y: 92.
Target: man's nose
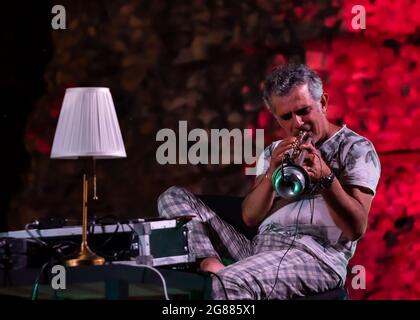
x: 297, y: 121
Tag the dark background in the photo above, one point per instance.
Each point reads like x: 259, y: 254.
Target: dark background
x: 204, y: 62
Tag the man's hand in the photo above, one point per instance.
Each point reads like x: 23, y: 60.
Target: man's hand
x: 278, y: 153
x: 314, y: 164
x: 259, y: 200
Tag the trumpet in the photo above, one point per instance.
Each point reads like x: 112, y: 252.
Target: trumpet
x: 298, y: 155
x: 290, y: 180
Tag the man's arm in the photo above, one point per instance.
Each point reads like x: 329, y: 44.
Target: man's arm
x: 258, y: 201
x: 349, y: 208
x: 349, y: 205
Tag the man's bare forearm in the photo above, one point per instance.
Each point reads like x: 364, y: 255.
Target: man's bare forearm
x: 258, y: 202
x: 348, y: 213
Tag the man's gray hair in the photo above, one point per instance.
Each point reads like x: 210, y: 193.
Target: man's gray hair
x: 284, y: 78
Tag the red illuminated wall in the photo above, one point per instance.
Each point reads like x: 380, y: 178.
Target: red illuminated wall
x: 373, y: 79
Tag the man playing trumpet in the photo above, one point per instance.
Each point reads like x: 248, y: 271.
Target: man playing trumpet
x: 303, y: 243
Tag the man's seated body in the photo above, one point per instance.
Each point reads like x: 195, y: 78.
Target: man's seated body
x: 303, y: 245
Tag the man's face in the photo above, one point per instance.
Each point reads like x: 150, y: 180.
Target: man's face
x: 298, y: 111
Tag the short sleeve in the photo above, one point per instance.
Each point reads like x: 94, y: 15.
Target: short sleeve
x: 263, y: 161
x: 362, y: 166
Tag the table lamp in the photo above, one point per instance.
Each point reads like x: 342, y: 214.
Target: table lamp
x: 87, y: 129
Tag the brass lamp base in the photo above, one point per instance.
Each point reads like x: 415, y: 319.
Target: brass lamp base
x: 86, y: 258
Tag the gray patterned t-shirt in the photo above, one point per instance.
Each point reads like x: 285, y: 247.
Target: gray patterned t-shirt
x: 354, y: 162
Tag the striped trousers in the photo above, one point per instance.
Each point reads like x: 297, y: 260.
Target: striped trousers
x: 270, y: 266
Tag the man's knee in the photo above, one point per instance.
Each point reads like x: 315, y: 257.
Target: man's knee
x: 166, y: 199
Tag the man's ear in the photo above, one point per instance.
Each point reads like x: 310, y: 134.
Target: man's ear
x: 324, y: 102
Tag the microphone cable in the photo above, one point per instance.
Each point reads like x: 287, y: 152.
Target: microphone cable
x: 288, y: 249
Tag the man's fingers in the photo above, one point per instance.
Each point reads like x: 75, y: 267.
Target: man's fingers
x: 310, y: 157
x: 309, y: 147
x: 284, y: 145
x: 281, y: 152
x: 310, y: 171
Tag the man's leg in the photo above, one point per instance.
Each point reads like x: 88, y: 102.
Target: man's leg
x: 209, y: 236
x: 298, y: 274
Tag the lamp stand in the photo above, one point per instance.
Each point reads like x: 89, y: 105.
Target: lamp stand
x: 86, y: 257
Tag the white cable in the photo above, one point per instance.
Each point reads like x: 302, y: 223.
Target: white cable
x: 35, y: 238
x: 165, y: 290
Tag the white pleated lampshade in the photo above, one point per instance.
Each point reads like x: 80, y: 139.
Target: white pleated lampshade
x: 88, y: 126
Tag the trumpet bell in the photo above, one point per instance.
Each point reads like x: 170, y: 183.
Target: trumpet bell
x: 290, y: 181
